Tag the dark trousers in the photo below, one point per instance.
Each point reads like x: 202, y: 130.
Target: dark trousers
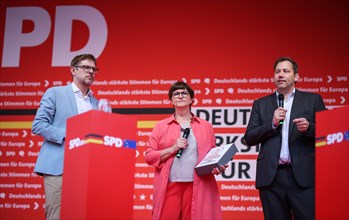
x: 284, y: 199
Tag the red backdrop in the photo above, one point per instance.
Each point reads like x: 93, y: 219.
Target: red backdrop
x: 224, y: 49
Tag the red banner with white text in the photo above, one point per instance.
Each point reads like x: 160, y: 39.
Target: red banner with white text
x: 224, y: 49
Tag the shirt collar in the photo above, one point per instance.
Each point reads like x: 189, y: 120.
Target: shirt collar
x: 172, y: 119
x: 77, y: 90
x: 291, y: 94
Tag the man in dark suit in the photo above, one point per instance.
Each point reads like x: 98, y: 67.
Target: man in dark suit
x: 284, y: 124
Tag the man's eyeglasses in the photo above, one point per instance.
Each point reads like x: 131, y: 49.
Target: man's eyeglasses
x: 177, y: 94
x: 87, y: 68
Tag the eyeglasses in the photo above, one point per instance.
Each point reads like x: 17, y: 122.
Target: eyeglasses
x: 87, y: 68
x: 177, y: 94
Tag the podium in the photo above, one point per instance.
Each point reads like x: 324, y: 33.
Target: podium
x: 99, y: 166
x: 332, y: 164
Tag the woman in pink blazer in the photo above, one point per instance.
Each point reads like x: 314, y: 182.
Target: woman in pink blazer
x: 179, y: 193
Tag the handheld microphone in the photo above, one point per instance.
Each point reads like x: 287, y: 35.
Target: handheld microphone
x: 281, y: 104
x: 185, y: 135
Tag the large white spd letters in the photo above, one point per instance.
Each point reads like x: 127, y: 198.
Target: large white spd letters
x: 14, y: 39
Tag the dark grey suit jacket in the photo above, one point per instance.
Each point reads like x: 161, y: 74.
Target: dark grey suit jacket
x: 301, y: 145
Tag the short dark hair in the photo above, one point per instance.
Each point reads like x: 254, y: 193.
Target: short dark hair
x: 282, y: 59
x: 180, y: 85
x: 81, y: 57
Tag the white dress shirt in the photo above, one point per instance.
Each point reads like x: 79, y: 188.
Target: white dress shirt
x: 83, y: 102
x: 285, y: 157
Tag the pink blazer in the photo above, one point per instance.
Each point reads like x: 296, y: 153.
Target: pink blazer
x: 205, y: 200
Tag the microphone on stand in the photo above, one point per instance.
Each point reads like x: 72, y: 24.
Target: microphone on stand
x: 281, y: 99
x: 185, y: 135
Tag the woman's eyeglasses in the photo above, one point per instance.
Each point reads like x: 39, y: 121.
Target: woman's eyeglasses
x: 177, y: 94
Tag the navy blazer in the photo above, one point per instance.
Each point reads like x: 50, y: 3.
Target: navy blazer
x: 56, y: 106
x: 301, y: 145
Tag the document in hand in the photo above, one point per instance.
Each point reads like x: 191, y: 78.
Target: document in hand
x: 215, y: 157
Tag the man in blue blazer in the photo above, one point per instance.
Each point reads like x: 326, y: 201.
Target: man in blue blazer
x: 284, y: 124
x: 56, y: 106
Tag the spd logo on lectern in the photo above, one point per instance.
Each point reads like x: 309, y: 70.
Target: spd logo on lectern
x: 106, y: 140
x: 332, y: 138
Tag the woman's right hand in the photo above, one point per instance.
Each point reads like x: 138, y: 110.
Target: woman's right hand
x: 181, y: 143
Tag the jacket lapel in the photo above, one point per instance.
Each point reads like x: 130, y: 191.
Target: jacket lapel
x: 273, y: 105
x: 94, y: 102
x: 296, y: 107
x: 71, y: 98
x: 273, y: 102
